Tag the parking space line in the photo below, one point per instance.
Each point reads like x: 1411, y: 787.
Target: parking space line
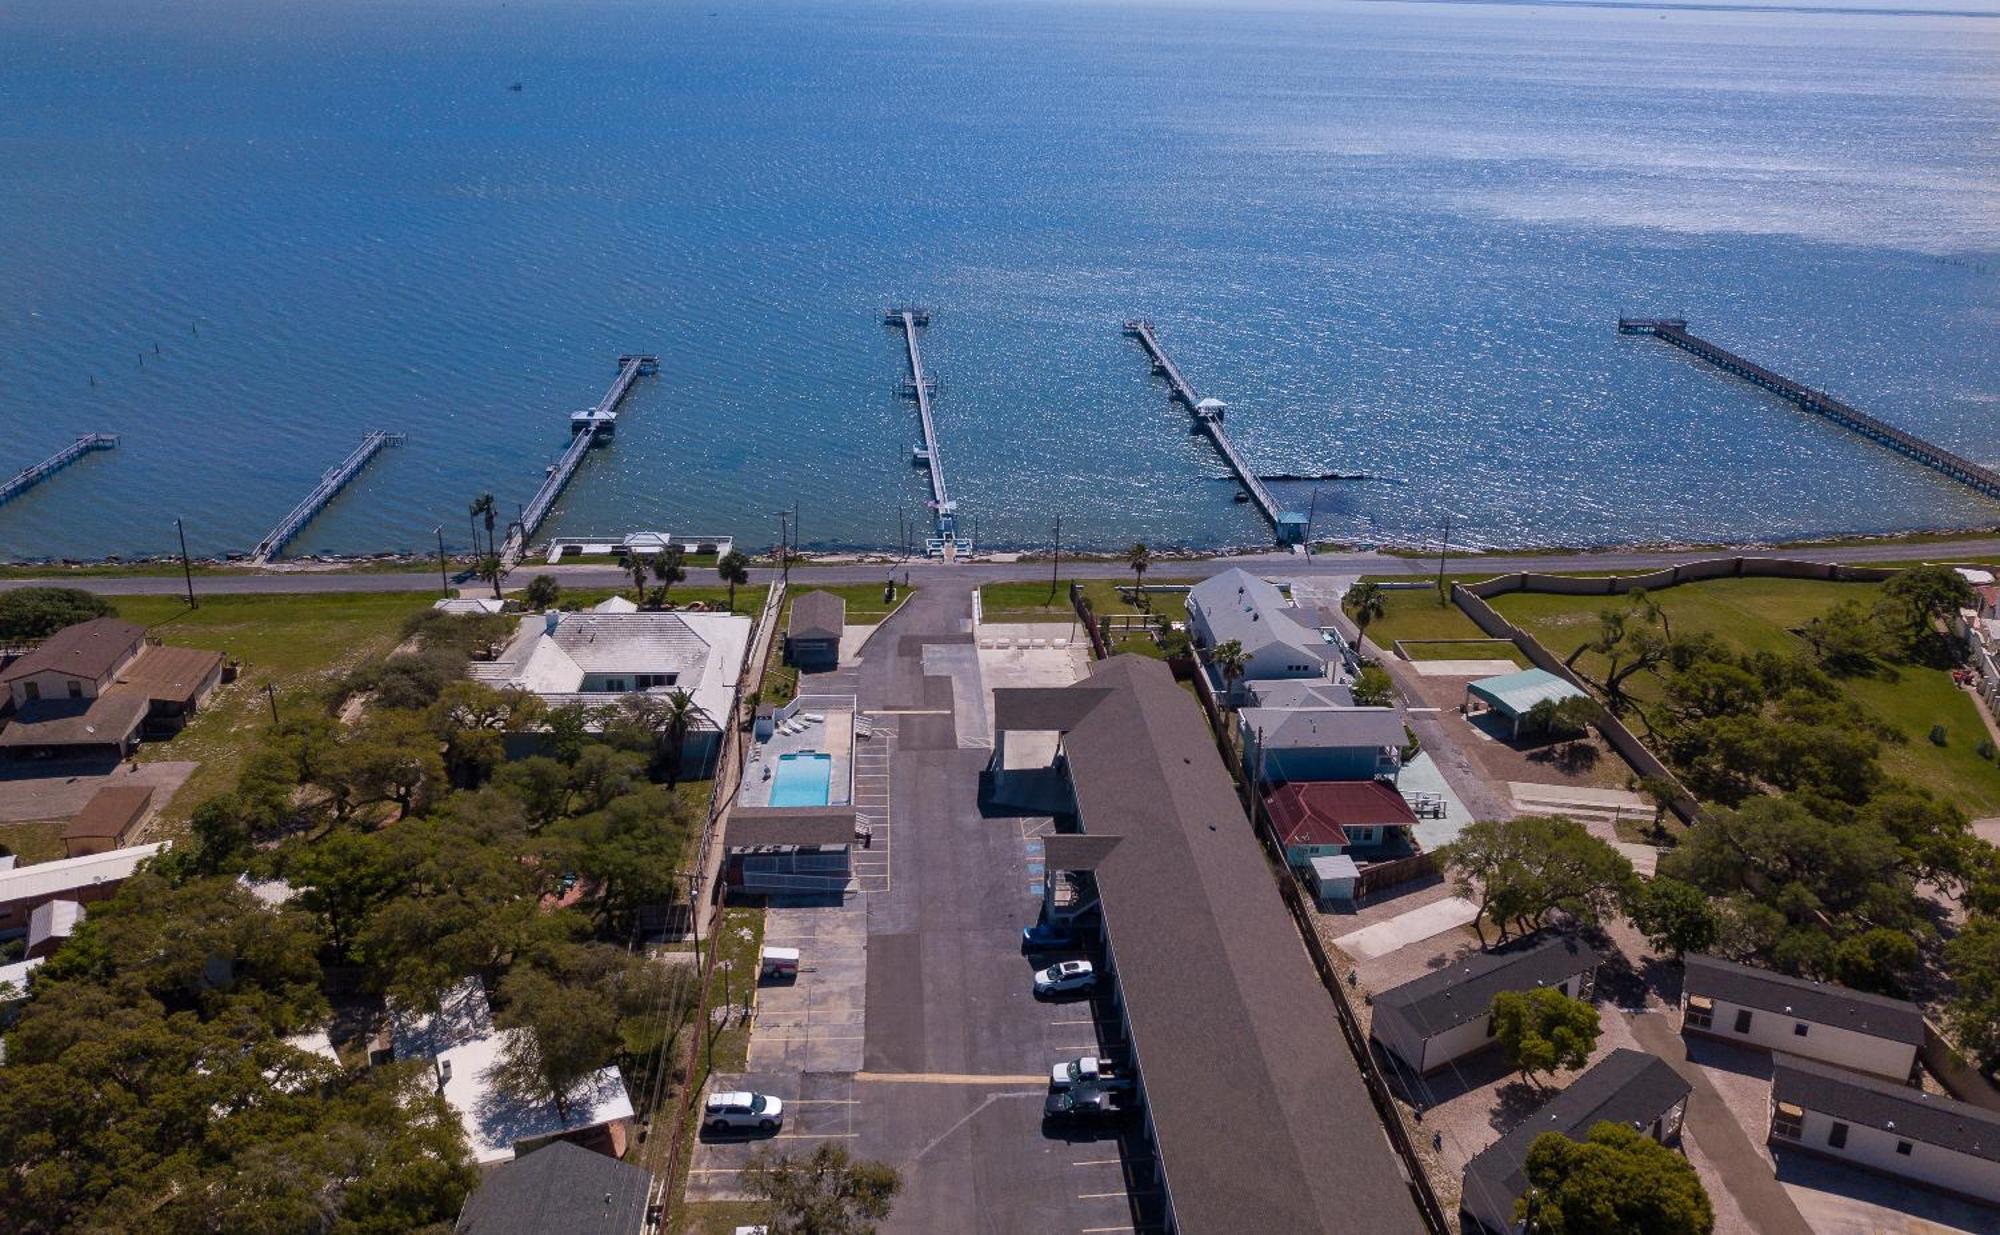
x: 1099, y: 1162
x: 1099, y: 1196
x: 952, y: 1078
x: 815, y: 1136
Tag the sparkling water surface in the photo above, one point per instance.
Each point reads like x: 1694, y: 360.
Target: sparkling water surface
x: 1393, y: 236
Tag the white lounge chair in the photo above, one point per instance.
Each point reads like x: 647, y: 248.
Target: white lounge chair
x: 815, y: 718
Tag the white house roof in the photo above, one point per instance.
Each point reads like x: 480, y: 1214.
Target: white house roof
x: 614, y: 604
x: 703, y: 652
x: 1240, y: 606
x: 1325, y: 728
x: 56, y: 919
x: 469, y: 604
x: 52, y: 879
x: 1328, y: 867
x: 461, y: 1037
x: 16, y: 976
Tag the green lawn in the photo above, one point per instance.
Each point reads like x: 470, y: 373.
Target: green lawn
x: 1759, y: 614
x: 298, y: 644
x: 1032, y: 602
x: 34, y: 840
x: 1416, y: 614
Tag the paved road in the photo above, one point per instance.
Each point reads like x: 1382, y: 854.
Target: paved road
x: 1000, y: 572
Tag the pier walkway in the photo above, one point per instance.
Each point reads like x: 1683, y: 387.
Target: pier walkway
x: 1289, y: 526
x: 28, y: 477
x: 329, y: 485
x: 921, y: 387
x: 592, y: 426
x: 1674, y: 330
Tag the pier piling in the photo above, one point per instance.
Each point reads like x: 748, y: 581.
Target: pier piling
x: 1983, y: 481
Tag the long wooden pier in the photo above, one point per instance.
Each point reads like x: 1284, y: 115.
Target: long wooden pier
x: 592, y: 426
x: 1674, y: 330
x: 1288, y: 526
x: 330, y: 484
x: 28, y: 477
x: 921, y: 387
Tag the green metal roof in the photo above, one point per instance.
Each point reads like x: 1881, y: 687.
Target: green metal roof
x: 1515, y: 693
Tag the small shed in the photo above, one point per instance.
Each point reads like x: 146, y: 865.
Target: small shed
x: 1333, y: 880
x: 1514, y: 695
x: 812, y: 637
x: 107, y: 821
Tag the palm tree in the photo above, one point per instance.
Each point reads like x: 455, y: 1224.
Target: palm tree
x: 1364, y: 604
x: 482, y: 506
x: 668, y: 570
x: 637, y: 565
x: 1139, y: 557
x: 677, y: 716
x: 491, y: 568
x: 733, y: 568
x: 1230, y: 661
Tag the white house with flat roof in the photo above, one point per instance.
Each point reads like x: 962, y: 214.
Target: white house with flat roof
x: 465, y: 1050
x: 1815, y: 1020
x: 1279, y: 640
x: 599, y: 657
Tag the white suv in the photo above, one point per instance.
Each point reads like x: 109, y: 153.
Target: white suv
x: 1066, y: 976
x: 729, y: 1112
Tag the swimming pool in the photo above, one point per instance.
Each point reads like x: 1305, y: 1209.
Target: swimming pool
x: 803, y: 779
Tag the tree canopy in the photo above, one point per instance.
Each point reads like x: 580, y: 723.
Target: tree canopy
x: 32, y: 614
x: 828, y: 1192
x: 1616, y: 1181
x: 1544, y: 1030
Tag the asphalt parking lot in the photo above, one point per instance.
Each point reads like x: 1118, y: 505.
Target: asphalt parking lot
x: 929, y: 1049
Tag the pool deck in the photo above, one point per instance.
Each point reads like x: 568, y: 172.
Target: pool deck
x: 833, y: 736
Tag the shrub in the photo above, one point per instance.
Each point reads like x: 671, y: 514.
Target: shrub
x: 31, y: 614
x: 1937, y: 735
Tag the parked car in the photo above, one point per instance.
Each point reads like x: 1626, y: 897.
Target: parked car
x: 1066, y: 976
x: 1087, y: 1070
x: 1048, y: 936
x: 736, y: 1111
x: 1081, y: 1102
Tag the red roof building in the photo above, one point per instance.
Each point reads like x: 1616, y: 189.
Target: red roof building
x: 1320, y: 818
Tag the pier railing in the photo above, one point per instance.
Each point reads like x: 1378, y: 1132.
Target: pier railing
x: 1674, y: 330
x: 588, y: 428
x: 28, y: 477
x: 330, y: 484
x: 1209, y: 421
x: 920, y: 387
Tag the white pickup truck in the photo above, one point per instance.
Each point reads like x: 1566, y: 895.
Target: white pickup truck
x: 1087, y: 1069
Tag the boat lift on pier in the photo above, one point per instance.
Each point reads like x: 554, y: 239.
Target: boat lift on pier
x: 1288, y: 525
x: 593, y: 426
x: 28, y: 477
x: 330, y: 484
x: 946, y: 543
x: 1981, y: 480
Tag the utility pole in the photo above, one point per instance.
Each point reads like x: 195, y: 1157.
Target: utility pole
x: 1055, y: 571
x: 784, y: 547
x: 1312, y: 508
x: 444, y: 579
x: 1444, y: 546
x: 187, y: 571
x: 271, y: 694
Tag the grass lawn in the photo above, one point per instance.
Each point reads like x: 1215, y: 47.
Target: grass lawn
x: 34, y: 840
x: 1031, y: 602
x: 1754, y: 614
x: 749, y: 597
x: 865, y: 607
x: 1416, y: 614
x: 298, y: 644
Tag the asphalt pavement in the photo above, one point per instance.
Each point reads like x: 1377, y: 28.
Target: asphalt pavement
x: 920, y: 570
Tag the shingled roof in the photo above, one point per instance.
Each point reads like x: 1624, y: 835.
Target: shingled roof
x: 1463, y: 991
x: 1822, y: 1003
x: 87, y: 650
x: 817, y: 615
x: 1876, y: 1103
x: 1252, y: 1092
x: 559, y: 1187
x: 1625, y: 1087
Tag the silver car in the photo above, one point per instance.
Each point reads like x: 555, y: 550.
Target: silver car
x: 742, y: 1111
x: 1066, y: 976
